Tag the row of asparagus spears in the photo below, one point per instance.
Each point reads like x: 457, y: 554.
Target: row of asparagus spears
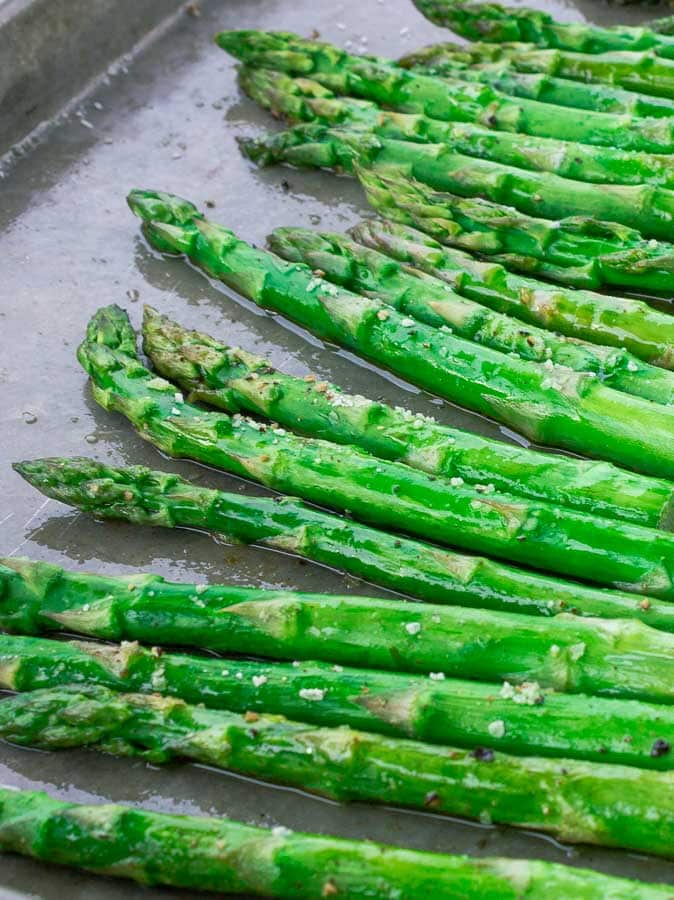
x: 548, y: 402
x: 508, y: 696
x: 530, y: 165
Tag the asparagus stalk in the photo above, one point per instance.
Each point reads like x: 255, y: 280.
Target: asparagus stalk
x: 374, y: 490
x: 302, y: 100
x: 555, y: 406
x: 239, y: 382
x: 431, y: 300
x: 226, y: 856
x: 599, y: 318
x: 576, y: 801
x: 464, y: 101
x: 147, y: 497
x: 449, y: 60
x: 643, y: 71
x: 434, y: 709
x: 648, y: 208
x: 580, y: 252
x: 493, y: 22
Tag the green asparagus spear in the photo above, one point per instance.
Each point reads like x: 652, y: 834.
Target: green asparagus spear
x: 424, y: 297
x: 147, y: 497
x: 238, y: 382
x: 374, y: 490
x: 431, y: 708
x: 599, y: 318
x: 464, y: 101
x: 449, y: 60
x: 493, y: 22
x: 643, y: 71
x: 603, y: 657
x: 301, y: 100
x: 580, y: 252
x: 648, y: 208
x: 576, y: 801
x: 550, y: 405
x: 229, y: 857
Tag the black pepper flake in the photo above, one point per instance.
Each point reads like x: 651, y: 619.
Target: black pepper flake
x: 660, y: 748
x: 285, y: 185
x: 483, y: 754
x: 432, y: 800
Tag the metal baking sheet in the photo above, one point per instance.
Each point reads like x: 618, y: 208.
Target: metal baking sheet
x: 168, y: 119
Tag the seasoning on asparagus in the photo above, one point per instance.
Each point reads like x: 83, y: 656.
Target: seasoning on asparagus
x: 239, y: 382
x: 389, y: 85
x: 431, y: 300
x: 230, y: 857
x: 302, y: 100
x: 550, y: 404
x: 424, y: 571
x: 578, y: 252
x: 598, y: 318
x: 519, y: 719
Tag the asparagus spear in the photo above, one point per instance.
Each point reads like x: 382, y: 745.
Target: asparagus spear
x: 577, y: 801
x: 147, y: 497
x: 374, y: 490
x: 493, y: 22
x: 238, y: 382
x: 599, y: 318
x: 389, y: 85
x: 434, y: 709
x: 368, y: 272
x: 225, y: 856
x: 643, y: 71
x: 648, y: 208
x: 302, y: 100
x: 580, y: 252
x: 555, y: 406
x: 449, y: 60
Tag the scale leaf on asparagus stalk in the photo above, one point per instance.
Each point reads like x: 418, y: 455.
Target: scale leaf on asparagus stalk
x: 389, y: 85
x: 518, y: 719
x: 423, y: 571
x: 577, y: 801
x: 598, y: 318
x: 302, y: 100
x: 578, y: 252
x: 557, y: 407
x: 207, y: 854
x: 381, y: 492
x: 494, y: 22
x: 239, y: 382
x: 366, y: 271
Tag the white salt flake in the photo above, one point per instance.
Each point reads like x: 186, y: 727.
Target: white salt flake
x: 496, y: 728
x: 413, y: 627
x: 312, y: 693
x: 436, y: 676
x: 259, y: 680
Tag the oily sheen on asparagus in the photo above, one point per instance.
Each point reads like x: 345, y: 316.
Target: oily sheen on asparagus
x: 522, y: 719
x: 230, y: 857
x: 239, y: 382
x: 424, y: 571
x: 380, y: 492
